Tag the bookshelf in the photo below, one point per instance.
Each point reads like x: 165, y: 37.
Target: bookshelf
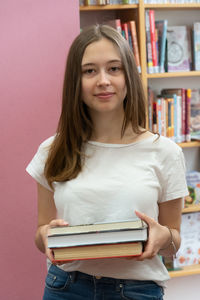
x: 137, y: 12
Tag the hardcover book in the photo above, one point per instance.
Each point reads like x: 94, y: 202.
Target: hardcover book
x: 195, y: 114
x: 189, y: 251
x: 196, y: 45
x: 148, y: 44
x: 179, y: 49
x: 133, y: 32
x: 161, y: 27
x: 98, y: 251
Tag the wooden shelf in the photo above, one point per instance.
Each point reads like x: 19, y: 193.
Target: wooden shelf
x: 185, y: 271
x: 108, y: 7
x: 175, y: 74
x: 173, y: 6
x: 190, y: 144
x: 191, y: 208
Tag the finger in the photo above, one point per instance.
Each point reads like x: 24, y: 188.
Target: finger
x: 145, y: 218
x: 58, y: 222
x: 49, y: 254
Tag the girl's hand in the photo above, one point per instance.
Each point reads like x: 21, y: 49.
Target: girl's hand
x: 158, y: 237
x: 44, y: 233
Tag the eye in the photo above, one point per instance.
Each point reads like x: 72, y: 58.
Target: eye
x: 89, y: 71
x: 115, y: 69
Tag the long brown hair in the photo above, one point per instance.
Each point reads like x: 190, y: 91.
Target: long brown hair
x: 66, y: 157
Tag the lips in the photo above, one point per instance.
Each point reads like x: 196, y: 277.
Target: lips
x: 104, y: 95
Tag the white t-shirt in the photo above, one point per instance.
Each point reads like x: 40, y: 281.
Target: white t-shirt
x: 116, y: 180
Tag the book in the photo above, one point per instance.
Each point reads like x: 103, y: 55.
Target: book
x: 188, y: 94
x: 98, y: 251
x: 195, y: 114
x: 115, y: 23
x: 125, y: 31
x: 151, y: 97
x: 179, y: 51
x: 102, y: 233
x: 148, y: 44
x: 196, y: 45
x: 189, y: 251
x: 133, y: 32
x: 161, y: 27
x: 193, y: 183
x: 153, y: 40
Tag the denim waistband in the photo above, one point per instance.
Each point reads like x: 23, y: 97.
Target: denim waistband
x: 76, y: 275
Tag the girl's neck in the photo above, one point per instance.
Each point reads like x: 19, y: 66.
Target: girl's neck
x: 107, y: 128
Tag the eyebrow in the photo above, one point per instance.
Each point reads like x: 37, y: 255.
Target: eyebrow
x: 110, y: 61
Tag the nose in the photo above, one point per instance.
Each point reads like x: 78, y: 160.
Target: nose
x: 103, y: 79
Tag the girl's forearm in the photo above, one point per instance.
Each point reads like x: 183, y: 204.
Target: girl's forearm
x: 40, y: 237
x: 173, y: 243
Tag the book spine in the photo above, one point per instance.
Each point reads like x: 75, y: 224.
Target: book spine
x: 163, y: 117
x: 153, y: 40
x: 125, y: 30
x: 183, y: 114
x: 150, y: 108
x: 179, y: 118
x: 148, y: 43
x: 170, y: 128
x: 188, y: 114
x: 132, y: 28
x: 175, y: 118
x: 196, y: 45
x: 118, y: 25
x: 159, y: 115
x: 163, y: 47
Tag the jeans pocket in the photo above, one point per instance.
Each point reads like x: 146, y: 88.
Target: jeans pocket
x: 142, y: 291
x: 57, y: 279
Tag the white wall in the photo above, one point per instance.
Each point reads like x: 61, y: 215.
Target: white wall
x: 183, y: 288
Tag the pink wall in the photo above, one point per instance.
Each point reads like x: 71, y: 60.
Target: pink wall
x: 34, y: 39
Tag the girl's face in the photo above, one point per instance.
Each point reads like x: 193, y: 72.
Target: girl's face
x: 103, y: 80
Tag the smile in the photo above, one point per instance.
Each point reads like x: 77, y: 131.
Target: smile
x: 104, y: 95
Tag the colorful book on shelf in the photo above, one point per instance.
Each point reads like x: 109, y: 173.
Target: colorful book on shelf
x: 157, y: 106
x: 195, y: 114
x: 161, y: 27
x: 188, y: 114
x: 176, y: 94
x: 125, y: 31
x: 133, y: 32
x: 179, y: 49
x: 101, y: 233
x: 189, y: 251
x: 196, y: 45
x: 98, y: 251
x: 153, y: 40
x: 151, y: 97
x: 150, y: 69
x: 193, y: 183
x: 115, y: 23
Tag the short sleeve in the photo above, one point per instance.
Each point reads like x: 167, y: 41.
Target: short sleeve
x: 174, y: 183
x: 36, y: 167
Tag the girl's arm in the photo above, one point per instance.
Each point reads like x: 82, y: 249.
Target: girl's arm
x: 164, y: 235
x: 46, y: 218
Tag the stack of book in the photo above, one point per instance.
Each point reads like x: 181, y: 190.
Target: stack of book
x: 100, y: 240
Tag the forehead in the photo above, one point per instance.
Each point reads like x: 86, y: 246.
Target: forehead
x: 102, y: 50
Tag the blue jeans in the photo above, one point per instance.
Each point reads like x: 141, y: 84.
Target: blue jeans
x: 61, y: 285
